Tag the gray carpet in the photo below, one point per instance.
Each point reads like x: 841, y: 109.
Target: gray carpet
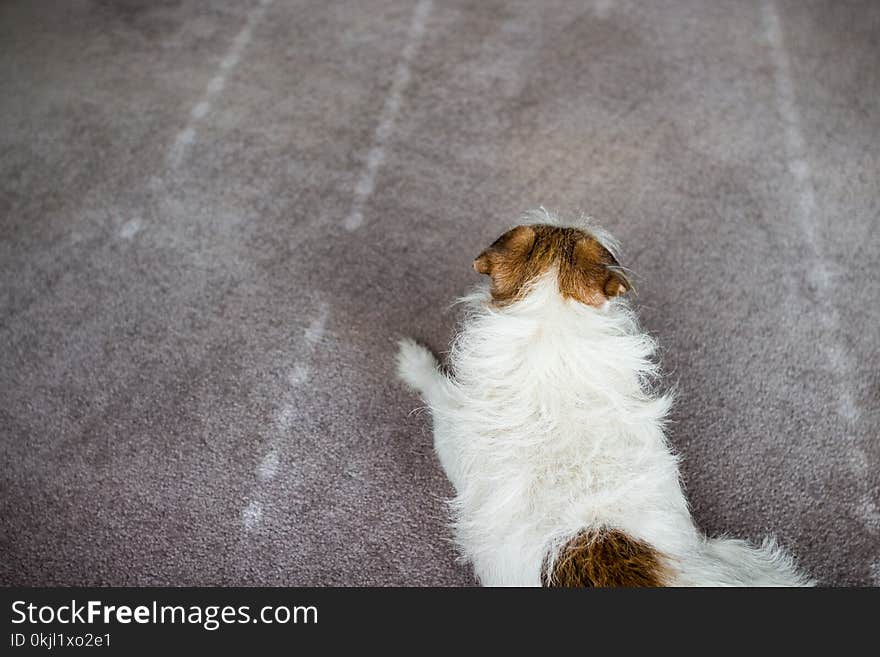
x: 217, y: 218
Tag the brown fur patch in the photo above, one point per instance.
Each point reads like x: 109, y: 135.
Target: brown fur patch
x: 587, y: 271
x: 606, y: 558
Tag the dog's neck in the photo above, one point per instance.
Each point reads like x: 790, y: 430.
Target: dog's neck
x: 554, y: 352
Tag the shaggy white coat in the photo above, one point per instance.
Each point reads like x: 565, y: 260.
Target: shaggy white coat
x: 547, y: 425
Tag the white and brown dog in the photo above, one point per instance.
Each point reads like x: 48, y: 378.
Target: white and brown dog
x: 551, y: 433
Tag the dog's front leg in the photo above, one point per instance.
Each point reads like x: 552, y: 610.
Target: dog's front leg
x: 418, y: 367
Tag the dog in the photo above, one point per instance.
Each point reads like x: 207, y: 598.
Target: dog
x: 550, y: 427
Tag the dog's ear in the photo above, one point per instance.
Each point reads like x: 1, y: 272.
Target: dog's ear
x: 599, y: 276
x: 507, y: 262
x: 617, y: 283
x: 514, y: 245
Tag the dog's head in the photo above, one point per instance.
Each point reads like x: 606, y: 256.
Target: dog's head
x: 586, y: 269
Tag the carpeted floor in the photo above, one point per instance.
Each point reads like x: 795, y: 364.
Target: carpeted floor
x: 217, y: 218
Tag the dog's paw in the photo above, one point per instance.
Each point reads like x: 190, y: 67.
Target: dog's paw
x: 416, y: 365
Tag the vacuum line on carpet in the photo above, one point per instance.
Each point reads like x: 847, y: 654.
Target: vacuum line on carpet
x: 187, y: 136
x: 819, y: 273
x: 267, y: 468
x: 376, y: 156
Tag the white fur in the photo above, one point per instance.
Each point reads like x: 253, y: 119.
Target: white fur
x: 549, y: 425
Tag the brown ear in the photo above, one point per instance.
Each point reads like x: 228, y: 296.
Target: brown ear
x: 482, y: 264
x: 597, y: 276
x: 617, y: 282
x: 507, y: 261
x: 516, y: 242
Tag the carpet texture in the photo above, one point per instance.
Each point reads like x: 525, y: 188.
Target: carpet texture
x: 217, y: 218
